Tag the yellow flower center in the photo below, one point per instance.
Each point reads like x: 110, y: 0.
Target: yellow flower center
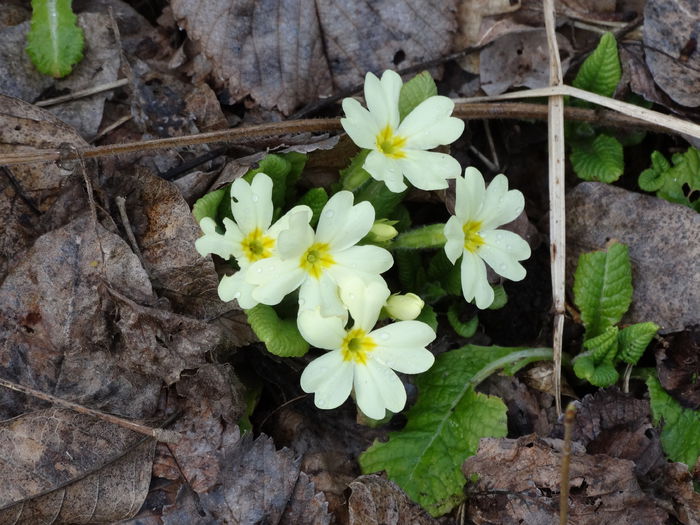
x: 472, y: 239
x: 316, y: 259
x: 257, y: 246
x: 389, y: 144
x: 356, y: 345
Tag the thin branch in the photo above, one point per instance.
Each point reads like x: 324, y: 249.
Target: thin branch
x: 82, y: 93
x: 557, y: 228
x: 464, y: 108
x: 160, y: 434
x: 569, y: 418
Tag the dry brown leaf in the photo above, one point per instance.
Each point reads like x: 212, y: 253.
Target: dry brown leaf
x: 678, y: 366
x: 470, y: 16
x: 285, y: 53
x: 57, y: 466
x: 520, y: 59
x: 670, y: 41
x: 610, y: 422
x: 213, y: 403
x: 56, y: 335
x: 377, y: 501
x: 306, y: 506
x: 518, y: 483
x: 27, y: 192
x: 255, y: 484
x: 160, y: 343
x: 18, y: 76
x: 100, y: 65
x: 166, y: 231
x: 664, y: 246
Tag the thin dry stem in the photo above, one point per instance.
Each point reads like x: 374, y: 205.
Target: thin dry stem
x: 557, y: 228
x: 161, y: 434
x: 569, y: 418
x: 82, y: 93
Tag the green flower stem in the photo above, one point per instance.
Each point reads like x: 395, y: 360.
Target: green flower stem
x: 544, y: 353
x: 427, y: 237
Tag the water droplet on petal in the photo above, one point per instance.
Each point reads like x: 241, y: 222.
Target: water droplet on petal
x: 237, y: 295
x: 301, y: 302
x: 254, y: 198
x: 502, y: 267
x: 329, y: 213
x: 509, y: 247
x: 258, y: 270
x: 384, y: 336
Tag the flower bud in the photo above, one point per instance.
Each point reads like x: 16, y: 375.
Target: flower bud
x: 404, y: 307
x: 382, y: 231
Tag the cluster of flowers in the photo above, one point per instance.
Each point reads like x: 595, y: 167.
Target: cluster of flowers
x: 337, y: 279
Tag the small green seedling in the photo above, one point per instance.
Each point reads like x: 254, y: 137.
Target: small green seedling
x: 55, y: 41
x: 679, y: 183
x: 603, y: 293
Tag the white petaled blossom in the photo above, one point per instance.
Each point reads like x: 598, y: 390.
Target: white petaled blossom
x: 250, y: 238
x: 322, y: 263
x: 471, y: 233
x: 399, y: 149
x: 361, y: 358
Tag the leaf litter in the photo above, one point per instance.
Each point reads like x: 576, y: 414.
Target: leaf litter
x: 135, y: 329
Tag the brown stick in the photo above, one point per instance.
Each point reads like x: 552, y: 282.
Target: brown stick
x: 569, y: 418
x: 161, y: 434
x: 483, y: 111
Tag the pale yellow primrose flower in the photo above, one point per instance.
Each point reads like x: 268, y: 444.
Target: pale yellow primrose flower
x: 362, y: 358
x: 321, y: 263
x: 250, y: 238
x: 472, y: 234
x: 400, y: 149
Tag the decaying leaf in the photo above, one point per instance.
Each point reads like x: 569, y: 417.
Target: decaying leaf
x: 670, y: 41
x: 255, y: 485
x: 678, y: 365
x: 619, y: 425
x: 519, y: 59
x: 377, y: 501
x: 57, y: 466
x: 285, y: 53
x: 306, y: 506
x: 212, y: 405
x: 518, y: 482
x: 18, y: 76
x: 664, y: 245
x: 100, y: 65
x: 55, y: 334
x: 28, y: 191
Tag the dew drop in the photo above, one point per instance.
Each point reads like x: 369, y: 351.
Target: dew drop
x: 509, y: 247
x: 301, y: 302
x: 237, y: 295
x: 502, y: 266
x: 258, y: 270
x: 329, y: 214
x: 254, y: 198
x: 383, y: 336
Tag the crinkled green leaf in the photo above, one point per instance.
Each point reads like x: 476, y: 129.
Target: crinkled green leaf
x: 380, y: 197
x: 419, y: 88
x: 603, y: 347
x: 604, y: 375
x: 442, y: 270
x: 427, y: 315
x: 500, y: 297
x: 354, y: 176
x: 208, y: 206
x: 55, y: 41
x: 316, y: 199
x: 584, y: 366
x: 462, y: 328
x: 603, y: 288
x: 601, y: 71
x: 680, y: 437
x: 281, y: 336
x: 634, y: 339
x: 600, y: 159
x: 443, y: 429
x: 677, y: 182
x: 411, y: 270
